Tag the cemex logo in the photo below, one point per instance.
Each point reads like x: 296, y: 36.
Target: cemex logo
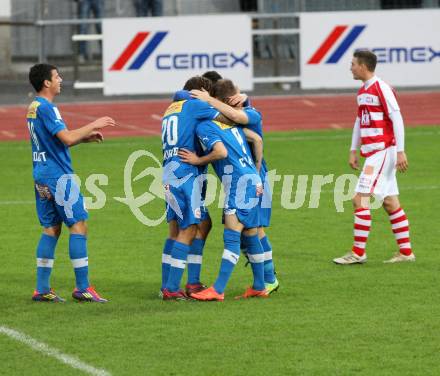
x: 177, y: 61
x: 332, y: 39
x: 133, y: 47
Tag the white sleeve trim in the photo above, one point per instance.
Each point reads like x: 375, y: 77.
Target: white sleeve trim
x: 398, y: 128
x: 356, y: 137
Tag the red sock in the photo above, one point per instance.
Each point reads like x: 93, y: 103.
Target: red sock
x: 362, y: 224
x: 400, y: 226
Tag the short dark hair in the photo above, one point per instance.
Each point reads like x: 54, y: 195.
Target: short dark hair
x: 366, y: 57
x: 197, y: 83
x: 223, y: 89
x: 40, y: 73
x: 213, y: 76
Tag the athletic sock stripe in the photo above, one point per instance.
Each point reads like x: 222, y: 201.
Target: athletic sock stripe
x: 398, y: 219
x: 398, y: 214
x: 401, y: 235
x: 396, y: 211
x: 360, y: 245
x: 361, y: 227
x: 362, y: 222
x: 257, y: 258
x: 405, y: 246
x: 166, y: 259
x: 403, y: 240
x: 80, y: 263
x: 362, y: 211
x: 402, y: 229
x: 360, y: 233
x: 230, y: 256
x: 176, y: 263
x: 364, y: 217
x: 398, y: 225
x: 194, y: 259
x: 45, y: 263
x: 361, y: 239
x: 268, y: 256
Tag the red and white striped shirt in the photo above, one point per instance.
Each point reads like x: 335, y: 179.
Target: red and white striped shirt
x: 376, y: 102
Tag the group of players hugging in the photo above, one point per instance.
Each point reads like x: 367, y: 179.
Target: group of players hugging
x: 209, y: 121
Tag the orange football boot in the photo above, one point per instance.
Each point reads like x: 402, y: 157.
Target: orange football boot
x: 251, y: 293
x: 208, y: 295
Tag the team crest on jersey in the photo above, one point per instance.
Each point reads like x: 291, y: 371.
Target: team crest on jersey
x: 365, y: 118
x: 174, y: 107
x: 32, y: 110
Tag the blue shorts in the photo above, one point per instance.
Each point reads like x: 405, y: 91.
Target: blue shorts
x: 265, y: 206
x: 66, y: 205
x: 249, y: 217
x: 183, y: 203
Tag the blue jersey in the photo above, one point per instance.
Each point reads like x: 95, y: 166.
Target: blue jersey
x: 51, y: 158
x: 178, y: 131
x: 255, y: 124
x: 186, y: 95
x: 238, y: 162
x: 265, y: 204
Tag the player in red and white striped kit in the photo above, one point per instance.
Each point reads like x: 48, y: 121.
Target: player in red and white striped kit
x: 379, y: 132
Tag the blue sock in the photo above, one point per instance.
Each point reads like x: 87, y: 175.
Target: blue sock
x: 230, y: 258
x: 166, y: 260
x: 256, y: 258
x: 45, y: 256
x: 269, y: 270
x: 80, y: 261
x: 179, y: 255
x: 195, y: 261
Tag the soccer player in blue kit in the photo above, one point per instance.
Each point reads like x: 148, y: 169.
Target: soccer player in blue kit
x: 182, y: 192
x: 57, y: 196
x: 242, y: 186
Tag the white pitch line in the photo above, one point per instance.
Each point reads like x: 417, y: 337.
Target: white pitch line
x: 52, y: 352
x: 156, y: 117
x: 122, y: 125
x: 335, y: 126
x: 309, y: 103
x: 8, y: 134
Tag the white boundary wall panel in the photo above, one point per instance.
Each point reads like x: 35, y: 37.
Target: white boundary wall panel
x: 406, y: 42
x: 158, y: 54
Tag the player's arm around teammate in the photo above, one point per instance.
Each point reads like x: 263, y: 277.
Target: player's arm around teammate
x: 236, y: 115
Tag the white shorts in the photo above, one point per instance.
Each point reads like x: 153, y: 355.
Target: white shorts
x: 378, y: 176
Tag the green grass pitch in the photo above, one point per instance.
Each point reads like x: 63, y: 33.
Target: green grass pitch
x: 373, y: 319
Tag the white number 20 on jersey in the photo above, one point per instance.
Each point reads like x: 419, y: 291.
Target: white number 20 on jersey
x: 169, y: 131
